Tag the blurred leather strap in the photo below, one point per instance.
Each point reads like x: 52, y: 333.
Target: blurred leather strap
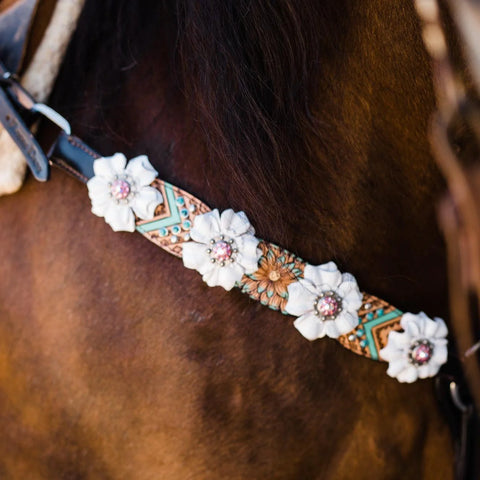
x: 16, y: 23
x: 72, y: 155
x: 459, y: 217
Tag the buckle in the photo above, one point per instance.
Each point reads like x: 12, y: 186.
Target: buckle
x: 53, y: 116
x: 11, y: 93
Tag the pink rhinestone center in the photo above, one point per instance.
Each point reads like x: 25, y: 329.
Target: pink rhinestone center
x: 120, y: 189
x: 328, y: 306
x: 422, y: 353
x: 221, y: 251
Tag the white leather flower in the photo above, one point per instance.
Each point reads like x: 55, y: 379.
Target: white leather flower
x: 119, y: 192
x: 325, y: 301
x: 223, y: 248
x: 417, y: 352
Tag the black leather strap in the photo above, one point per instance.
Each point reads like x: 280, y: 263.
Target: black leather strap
x: 22, y: 136
x: 16, y: 116
x: 73, y: 156
x: 15, y: 25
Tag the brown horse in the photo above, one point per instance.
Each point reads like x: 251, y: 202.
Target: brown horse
x: 116, y: 362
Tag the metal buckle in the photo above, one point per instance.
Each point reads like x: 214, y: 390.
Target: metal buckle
x: 14, y: 98
x: 53, y: 116
x: 23, y: 98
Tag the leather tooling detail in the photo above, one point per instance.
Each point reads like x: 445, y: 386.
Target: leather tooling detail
x: 173, y: 218
x: 278, y: 268
x: 377, y: 319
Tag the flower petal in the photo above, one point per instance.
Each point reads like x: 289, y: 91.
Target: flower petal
x: 101, y: 205
x: 206, y: 226
x: 413, y: 329
x: 229, y: 275
x: 331, y: 329
x: 430, y: 328
x: 352, y: 301
x: 210, y: 277
x: 396, y: 366
x: 442, y: 330
x: 118, y: 162
x: 194, y: 256
x: 248, y: 253
x: 97, y: 186
x: 349, y: 288
x: 309, y: 326
x: 346, y: 322
x: 235, y: 223
x: 326, y: 274
x: 433, y: 369
x: 399, y: 340
x: 300, y: 300
x: 98, y: 191
x: 141, y: 170
x: 145, y: 202
x: 408, y: 374
x: 103, y: 168
x: 225, y: 277
x: 408, y: 318
x: 120, y: 218
x: 391, y: 353
x: 108, y: 167
x: 440, y: 354
x: 424, y: 371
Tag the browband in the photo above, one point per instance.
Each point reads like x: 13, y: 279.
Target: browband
x: 170, y: 228
x: 326, y: 302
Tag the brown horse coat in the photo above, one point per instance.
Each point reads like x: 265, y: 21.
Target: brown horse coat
x: 118, y: 363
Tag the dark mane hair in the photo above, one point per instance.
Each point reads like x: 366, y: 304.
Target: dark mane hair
x: 250, y: 70
x: 309, y: 115
x: 313, y: 115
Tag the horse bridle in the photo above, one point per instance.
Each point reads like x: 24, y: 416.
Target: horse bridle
x: 459, y: 213
x: 180, y: 219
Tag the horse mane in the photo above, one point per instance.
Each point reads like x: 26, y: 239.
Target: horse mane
x: 313, y: 115
x: 248, y: 70
x: 282, y: 98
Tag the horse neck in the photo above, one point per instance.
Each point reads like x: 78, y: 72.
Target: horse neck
x: 356, y: 184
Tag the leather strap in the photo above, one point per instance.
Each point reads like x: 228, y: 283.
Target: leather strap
x: 15, y: 24
x: 72, y: 155
x: 17, y: 114
x: 459, y: 411
x: 69, y: 153
x: 169, y: 230
x: 459, y: 217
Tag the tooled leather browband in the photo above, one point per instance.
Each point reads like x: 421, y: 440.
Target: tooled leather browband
x: 170, y: 227
x: 279, y: 279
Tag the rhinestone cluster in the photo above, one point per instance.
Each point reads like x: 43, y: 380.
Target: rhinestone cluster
x: 121, y: 188
x: 222, y: 250
x: 420, y: 352
x: 327, y: 305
